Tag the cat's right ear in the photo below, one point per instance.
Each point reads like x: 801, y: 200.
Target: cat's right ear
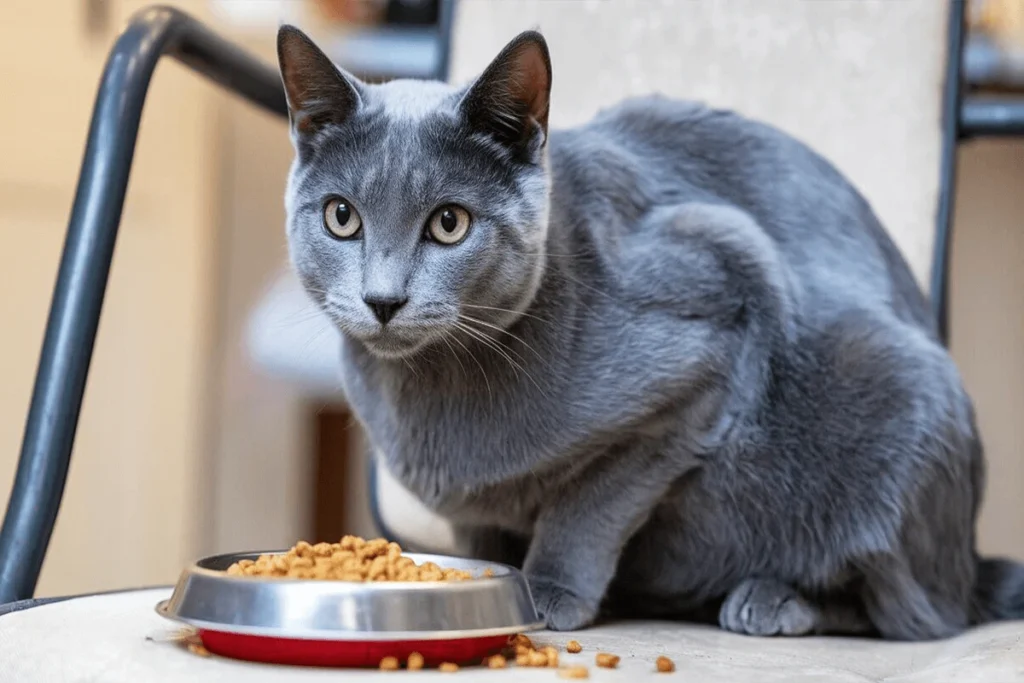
x: 318, y: 93
x: 510, y: 100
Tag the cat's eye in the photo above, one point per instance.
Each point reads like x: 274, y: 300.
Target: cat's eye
x: 341, y: 219
x: 448, y: 225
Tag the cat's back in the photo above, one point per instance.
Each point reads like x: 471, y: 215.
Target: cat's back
x: 653, y: 151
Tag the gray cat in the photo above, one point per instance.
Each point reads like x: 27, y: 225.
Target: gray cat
x: 668, y: 362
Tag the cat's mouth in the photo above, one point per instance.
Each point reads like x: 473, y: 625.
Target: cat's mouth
x: 396, y: 343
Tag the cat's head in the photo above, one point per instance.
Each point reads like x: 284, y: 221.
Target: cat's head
x: 412, y: 203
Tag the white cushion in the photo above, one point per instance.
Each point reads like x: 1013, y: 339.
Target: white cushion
x: 104, y: 638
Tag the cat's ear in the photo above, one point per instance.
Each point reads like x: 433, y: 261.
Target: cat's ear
x: 510, y: 100
x: 318, y: 93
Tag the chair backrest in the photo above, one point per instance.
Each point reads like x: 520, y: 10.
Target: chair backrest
x: 860, y: 82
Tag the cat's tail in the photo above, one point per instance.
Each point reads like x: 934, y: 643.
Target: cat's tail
x: 998, y: 591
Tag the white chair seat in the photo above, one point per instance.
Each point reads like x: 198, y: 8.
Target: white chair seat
x: 104, y: 638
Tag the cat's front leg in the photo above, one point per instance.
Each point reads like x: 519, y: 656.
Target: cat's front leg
x: 579, y: 536
x: 491, y: 543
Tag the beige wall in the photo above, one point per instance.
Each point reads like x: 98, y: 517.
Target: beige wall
x: 859, y: 80
x: 262, y: 444
x: 138, y: 453
x: 987, y: 336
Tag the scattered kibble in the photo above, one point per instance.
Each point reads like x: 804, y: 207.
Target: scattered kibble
x: 573, y: 647
x: 190, y: 639
x: 496, y: 662
x: 353, y: 559
x: 527, y: 654
x: 607, y: 661
x: 448, y: 667
x: 389, y: 664
x: 198, y: 649
x: 415, y: 662
x: 574, y: 672
x: 519, y: 641
x: 665, y: 665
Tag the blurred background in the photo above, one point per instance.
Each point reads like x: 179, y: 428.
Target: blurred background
x: 213, y: 419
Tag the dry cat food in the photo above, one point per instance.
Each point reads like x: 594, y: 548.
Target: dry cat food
x: 496, y: 662
x: 448, y: 667
x: 415, y: 662
x: 389, y: 664
x: 607, y: 661
x: 353, y: 559
x: 528, y: 655
x: 573, y: 647
x: 665, y: 665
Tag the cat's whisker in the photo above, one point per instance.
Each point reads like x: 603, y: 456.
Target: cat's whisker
x: 509, y: 310
x: 492, y: 339
x: 412, y: 369
x: 578, y: 254
x: 302, y: 316
x: 483, y: 372
x: 451, y: 348
x: 522, y: 341
x: 502, y: 350
x: 313, y: 338
x: 489, y: 343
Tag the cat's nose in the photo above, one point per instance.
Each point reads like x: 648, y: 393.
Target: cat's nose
x: 384, y: 308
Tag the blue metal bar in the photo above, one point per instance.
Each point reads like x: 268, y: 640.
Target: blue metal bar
x: 992, y: 116
x: 85, y: 265
x: 938, y: 290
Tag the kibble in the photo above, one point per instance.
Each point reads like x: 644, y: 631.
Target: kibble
x: 520, y: 642
x: 415, y: 662
x: 352, y: 559
x: 573, y: 647
x: 607, y: 661
x: 496, y: 662
x: 389, y: 664
x: 665, y: 665
x: 526, y: 654
x: 574, y: 672
x: 448, y: 667
x: 198, y: 649
x: 192, y: 642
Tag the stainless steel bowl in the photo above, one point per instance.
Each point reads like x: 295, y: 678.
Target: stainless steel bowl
x: 208, y: 598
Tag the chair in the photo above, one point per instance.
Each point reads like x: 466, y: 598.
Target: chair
x: 941, y: 122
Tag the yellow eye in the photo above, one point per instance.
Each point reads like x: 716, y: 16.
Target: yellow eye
x: 449, y: 224
x: 341, y: 219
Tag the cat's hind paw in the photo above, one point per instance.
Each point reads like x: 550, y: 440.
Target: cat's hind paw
x: 765, y: 607
x: 560, y: 608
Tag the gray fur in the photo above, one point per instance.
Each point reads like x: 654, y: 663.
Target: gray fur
x: 698, y: 379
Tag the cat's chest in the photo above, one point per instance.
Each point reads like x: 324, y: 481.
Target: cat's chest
x: 451, y: 441
x: 463, y: 437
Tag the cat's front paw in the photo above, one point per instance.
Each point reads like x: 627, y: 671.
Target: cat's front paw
x: 764, y: 607
x: 560, y: 608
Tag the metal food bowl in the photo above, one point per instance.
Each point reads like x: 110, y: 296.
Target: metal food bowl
x: 353, y: 624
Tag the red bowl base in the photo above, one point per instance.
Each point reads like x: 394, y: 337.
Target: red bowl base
x: 348, y: 653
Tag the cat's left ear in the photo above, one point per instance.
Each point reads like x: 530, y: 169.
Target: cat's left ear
x: 510, y: 100
x: 318, y: 93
